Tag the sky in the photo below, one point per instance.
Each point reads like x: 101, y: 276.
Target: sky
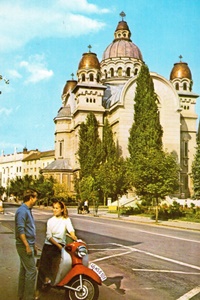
x: 42, y: 42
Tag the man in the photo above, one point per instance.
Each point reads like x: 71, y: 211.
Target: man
x: 25, y: 244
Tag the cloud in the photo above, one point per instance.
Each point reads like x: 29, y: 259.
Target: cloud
x: 14, y: 74
x: 23, y: 22
x: 36, y: 69
x: 82, y: 6
x: 5, y: 111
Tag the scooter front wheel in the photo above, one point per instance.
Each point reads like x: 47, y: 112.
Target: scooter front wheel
x: 88, y: 291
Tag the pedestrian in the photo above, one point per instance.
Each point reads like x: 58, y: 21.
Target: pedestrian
x: 86, y: 207
x: 25, y: 234
x: 80, y: 207
x: 58, y: 228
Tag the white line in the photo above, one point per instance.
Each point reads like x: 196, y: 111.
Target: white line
x: 169, y: 259
x: 104, y: 249
x: 190, y: 294
x: 110, y: 256
x: 160, y: 257
x: 165, y: 271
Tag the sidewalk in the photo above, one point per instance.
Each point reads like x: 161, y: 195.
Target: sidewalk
x: 9, y: 263
x: 145, y: 220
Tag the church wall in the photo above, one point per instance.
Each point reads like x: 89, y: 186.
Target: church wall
x: 169, y: 114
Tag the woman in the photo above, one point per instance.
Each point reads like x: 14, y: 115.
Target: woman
x: 57, y: 227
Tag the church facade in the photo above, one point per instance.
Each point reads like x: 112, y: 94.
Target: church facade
x: 107, y: 88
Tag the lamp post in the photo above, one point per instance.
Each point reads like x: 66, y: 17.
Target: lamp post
x: 118, y: 206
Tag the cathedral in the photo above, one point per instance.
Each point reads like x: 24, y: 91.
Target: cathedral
x: 107, y: 88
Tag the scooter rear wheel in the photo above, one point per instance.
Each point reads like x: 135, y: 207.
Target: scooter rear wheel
x: 89, y: 291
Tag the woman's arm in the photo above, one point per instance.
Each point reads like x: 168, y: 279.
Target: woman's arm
x: 51, y: 240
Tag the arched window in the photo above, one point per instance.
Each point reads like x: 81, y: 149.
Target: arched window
x: 83, y: 77
x: 111, y: 72
x: 105, y: 74
x: 185, y: 149
x: 119, y: 71
x: 136, y: 71
x: 91, y: 77
x: 98, y: 78
x: 177, y: 86
x: 128, y: 71
x: 185, y: 86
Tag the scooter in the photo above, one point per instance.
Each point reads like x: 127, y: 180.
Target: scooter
x: 79, y: 278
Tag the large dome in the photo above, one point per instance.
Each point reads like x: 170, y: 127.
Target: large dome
x: 180, y: 70
x: 122, y: 45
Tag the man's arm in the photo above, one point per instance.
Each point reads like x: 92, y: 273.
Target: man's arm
x: 26, y: 244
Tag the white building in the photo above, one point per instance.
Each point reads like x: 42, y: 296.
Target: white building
x: 19, y: 164
x: 107, y: 88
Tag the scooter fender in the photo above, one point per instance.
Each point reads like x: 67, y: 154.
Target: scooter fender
x: 79, y: 270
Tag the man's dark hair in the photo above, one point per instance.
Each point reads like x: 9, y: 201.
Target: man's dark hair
x: 28, y: 194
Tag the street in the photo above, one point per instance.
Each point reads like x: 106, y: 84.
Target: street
x: 141, y: 261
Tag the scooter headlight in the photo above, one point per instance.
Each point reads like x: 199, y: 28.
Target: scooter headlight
x: 81, y: 251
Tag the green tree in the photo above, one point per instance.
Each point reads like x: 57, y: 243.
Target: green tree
x: 111, y: 176
x: 154, y: 173
x: 44, y: 187
x: 196, y: 172
x: 89, y: 151
x: 146, y: 131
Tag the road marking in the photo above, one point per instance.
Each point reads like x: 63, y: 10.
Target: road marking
x: 190, y: 294
x: 159, y: 256
x: 165, y: 271
x: 148, y: 232
x: 169, y: 259
x: 110, y: 256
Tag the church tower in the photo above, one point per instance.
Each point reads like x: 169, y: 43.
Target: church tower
x: 181, y: 78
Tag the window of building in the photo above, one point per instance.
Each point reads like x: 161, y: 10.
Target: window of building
x: 61, y: 149
x: 119, y: 71
x: 185, y: 149
x: 91, y: 77
x: 185, y: 86
x: 111, y: 72
x: 128, y: 71
x: 177, y: 86
x: 83, y: 77
x: 135, y: 72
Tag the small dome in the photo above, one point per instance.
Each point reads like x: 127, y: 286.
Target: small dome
x: 122, y: 25
x: 89, y: 61
x: 70, y: 84
x: 181, y: 70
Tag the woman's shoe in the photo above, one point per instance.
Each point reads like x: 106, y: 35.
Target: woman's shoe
x: 47, y: 281
x: 37, y: 295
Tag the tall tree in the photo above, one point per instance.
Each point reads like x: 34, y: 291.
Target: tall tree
x: 89, y: 151
x: 196, y: 169
x: 146, y: 131
x: 154, y: 173
x: 111, y: 177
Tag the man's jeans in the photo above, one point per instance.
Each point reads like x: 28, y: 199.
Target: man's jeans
x: 27, y: 274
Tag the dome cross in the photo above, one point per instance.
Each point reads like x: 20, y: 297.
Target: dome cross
x: 123, y: 15
x: 89, y: 47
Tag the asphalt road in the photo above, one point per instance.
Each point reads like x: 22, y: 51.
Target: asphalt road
x: 141, y: 261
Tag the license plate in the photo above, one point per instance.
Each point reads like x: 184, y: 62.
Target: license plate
x: 98, y: 271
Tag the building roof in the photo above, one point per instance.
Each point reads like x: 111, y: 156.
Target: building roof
x: 58, y: 165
